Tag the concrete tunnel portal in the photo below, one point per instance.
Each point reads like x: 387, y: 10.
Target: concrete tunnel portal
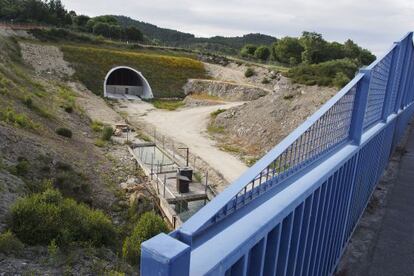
x: 126, y: 82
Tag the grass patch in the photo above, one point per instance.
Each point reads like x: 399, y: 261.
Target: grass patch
x: 97, y: 126
x: 67, y: 98
x: 213, y: 129
x: 11, y: 117
x: 167, y: 104
x: 214, y: 114
x: 166, y: 74
x: 231, y: 149
x: 198, y: 177
x: 250, y: 161
x: 100, y: 143
x: 9, y: 243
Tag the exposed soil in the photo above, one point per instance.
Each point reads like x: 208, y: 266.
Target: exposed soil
x: 253, y: 129
x: 47, y: 60
x: 234, y: 73
x: 225, y: 90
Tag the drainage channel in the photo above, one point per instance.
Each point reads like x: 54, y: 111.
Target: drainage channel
x: 179, y: 194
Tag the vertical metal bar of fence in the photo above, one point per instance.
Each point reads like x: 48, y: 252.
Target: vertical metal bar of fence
x: 165, y: 183
x: 360, y: 103
x: 404, y: 73
x: 311, y: 233
x: 390, y: 86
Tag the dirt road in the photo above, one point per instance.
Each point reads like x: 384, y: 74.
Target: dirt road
x: 188, y: 126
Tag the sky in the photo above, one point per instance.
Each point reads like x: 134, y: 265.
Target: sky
x: 373, y: 24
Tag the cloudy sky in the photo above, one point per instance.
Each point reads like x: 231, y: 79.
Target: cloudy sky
x: 374, y: 24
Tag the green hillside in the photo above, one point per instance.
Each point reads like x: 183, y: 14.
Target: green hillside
x: 228, y: 45
x: 166, y: 74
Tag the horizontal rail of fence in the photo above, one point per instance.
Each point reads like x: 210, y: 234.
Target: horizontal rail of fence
x: 294, y: 211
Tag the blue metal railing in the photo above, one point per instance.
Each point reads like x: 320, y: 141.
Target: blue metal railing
x: 293, y: 212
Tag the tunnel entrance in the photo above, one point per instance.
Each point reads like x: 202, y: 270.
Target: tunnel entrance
x: 126, y: 82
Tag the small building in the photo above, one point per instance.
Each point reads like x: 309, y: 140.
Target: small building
x: 124, y: 82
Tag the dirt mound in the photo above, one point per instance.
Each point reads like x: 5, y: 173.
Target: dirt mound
x: 255, y: 127
x: 225, y: 90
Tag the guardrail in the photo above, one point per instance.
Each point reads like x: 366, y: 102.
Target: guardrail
x: 294, y: 211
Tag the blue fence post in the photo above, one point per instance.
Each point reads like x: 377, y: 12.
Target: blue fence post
x: 390, y: 83
x: 404, y: 75
x: 165, y: 256
x: 360, y: 105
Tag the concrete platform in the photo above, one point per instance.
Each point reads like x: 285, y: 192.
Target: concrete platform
x: 122, y: 96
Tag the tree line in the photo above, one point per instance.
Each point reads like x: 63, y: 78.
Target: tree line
x: 310, y: 48
x: 53, y: 12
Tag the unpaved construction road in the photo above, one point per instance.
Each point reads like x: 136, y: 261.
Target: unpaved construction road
x: 189, y: 126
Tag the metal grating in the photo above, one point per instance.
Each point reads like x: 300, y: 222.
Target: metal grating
x: 329, y: 131
x: 376, y: 92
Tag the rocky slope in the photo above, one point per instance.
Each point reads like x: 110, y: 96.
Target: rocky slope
x: 228, y: 91
x: 35, y: 100
x: 254, y: 128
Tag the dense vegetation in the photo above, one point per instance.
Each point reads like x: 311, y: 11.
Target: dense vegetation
x: 41, y: 218
x: 166, y: 74
x: 313, y: 59
x: 329, y: 73
x: 53, y: 13
x: 35, y: 11
x: 310, y: 48
x: 148, y: 226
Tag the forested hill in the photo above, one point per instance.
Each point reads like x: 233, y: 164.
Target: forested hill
x: 170, y: 37
x: 161, y: 35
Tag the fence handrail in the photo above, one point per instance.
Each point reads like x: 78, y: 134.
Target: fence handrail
x: 199, y: 220
x: 325, y: 170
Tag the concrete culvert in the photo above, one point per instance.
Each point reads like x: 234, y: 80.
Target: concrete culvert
x: 126, y: 82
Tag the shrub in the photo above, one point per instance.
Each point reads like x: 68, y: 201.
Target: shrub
x: 22, y: 167
x: 248, y: 50
x: 72, y: 184
x: 249, y: 72
x: 107, y: 133
x: 265, y: 81
x: 100, y: 143
x: 340, y: 80
x: 97, y: 126
x: 28, y: 102
x: 214, y: 114
x: 262, y: 53
x: 9, y: 243
x: 65, y: 132
x: 42, y: 218
x: 68, y: 109
x: 148, y: 226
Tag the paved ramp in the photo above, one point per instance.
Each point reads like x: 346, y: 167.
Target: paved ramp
x: 394, y: 251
